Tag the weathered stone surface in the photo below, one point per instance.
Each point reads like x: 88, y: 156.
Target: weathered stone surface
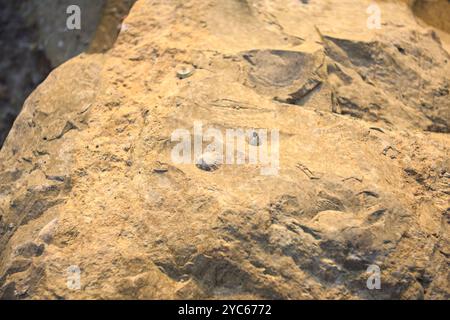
x: 364, y: 171
x: 35, y: 39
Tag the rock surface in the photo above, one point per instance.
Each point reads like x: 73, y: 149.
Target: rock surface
x: 35, y: 39
x: 87, y: 178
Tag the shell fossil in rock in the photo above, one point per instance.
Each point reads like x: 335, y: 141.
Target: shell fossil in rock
x: 161, y: 167
x: 185, y: 71
x: 209, y: 161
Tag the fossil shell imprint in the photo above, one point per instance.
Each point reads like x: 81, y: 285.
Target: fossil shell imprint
x: 185, y: 71
x: 208, y: 161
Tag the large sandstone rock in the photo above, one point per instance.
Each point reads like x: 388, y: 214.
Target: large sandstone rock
x: 88, y: 181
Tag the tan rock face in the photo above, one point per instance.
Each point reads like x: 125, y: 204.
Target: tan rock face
x: 89, y: 182
x: 35, y: 39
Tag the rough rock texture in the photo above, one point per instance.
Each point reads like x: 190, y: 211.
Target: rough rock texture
x: 35, y: 39
x: 87, y: 178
